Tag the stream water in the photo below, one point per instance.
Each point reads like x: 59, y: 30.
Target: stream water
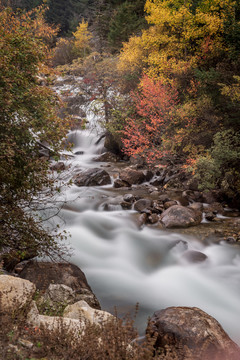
x: 125, y: 265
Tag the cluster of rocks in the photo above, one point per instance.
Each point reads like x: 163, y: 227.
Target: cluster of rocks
x: 158, y: 206
x: 39, y: 286
x: 188, y: 333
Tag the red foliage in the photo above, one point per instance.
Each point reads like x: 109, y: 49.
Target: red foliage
x: 146, y: 131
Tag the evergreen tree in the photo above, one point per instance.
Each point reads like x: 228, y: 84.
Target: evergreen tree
x: 127, y: 20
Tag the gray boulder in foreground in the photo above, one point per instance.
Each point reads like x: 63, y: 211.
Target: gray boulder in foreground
x: 191, y: 334
x: 15, y: 293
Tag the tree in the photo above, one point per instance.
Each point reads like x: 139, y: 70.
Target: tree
x: 146, y: 132
x: 101, y: 82
x: 82, y: 39
x: 127, y: 20
x: 28, y: 117
x: 195, y: 45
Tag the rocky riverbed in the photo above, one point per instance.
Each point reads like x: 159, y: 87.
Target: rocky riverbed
x: 141, y: 235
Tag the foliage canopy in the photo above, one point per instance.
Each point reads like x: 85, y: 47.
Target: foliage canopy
x: 28, y: 117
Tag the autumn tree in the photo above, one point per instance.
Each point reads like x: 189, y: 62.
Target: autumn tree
x: 28, y: 117
x: 82, y: 39
x: 191, y: 44
x: 147, y: 131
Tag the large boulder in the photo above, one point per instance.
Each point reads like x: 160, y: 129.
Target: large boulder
x: 44, y: 274
x: 132, y: 176
x: 178, y: 216
x: 92, y: 177
x: 190, y: 333
x: 74, y: 320
x: 15, y: 293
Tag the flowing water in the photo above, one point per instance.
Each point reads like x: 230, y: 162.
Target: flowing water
x: 125, y: 265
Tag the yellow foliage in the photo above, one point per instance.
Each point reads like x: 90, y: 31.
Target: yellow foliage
x: 178, y: 37
x: 133, y: 54
x: 82, y: 38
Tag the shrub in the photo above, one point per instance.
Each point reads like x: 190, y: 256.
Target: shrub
x: 221, y: 166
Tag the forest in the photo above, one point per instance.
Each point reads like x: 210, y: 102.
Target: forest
x: 164, y: 78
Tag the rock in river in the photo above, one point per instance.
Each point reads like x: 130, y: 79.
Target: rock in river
x: 132, y: 176
x: 92, y: 177
x: 178, y: 216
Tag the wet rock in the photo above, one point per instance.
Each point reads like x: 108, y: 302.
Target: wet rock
x: 193, y: 256
x: 59, y: 166
x: 153, y: 218
x: 190, y: 333
x: 157, y: 181
x: 79, y: 152
x: 170, y: 203
x: 42, y: 274
x: 15, y: 293
x: 132, y: 176
x: 142, y: 219
x: 129, y: 198
x: 231, y: 240
x: 111, y: 206
x: 209, y: 216
x: 126, y: 205
x: 196, y: 206
x: 148, y: 175
x: 157, y: 206
x: 92, y: 177
x: 183, y: 201
x: 118, y: 183
x: 142, y: 204
x: 107, y: 157
x: 178, y: 216
x: 164, y: 198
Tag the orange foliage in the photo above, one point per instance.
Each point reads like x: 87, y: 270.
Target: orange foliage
x: 146, y: 133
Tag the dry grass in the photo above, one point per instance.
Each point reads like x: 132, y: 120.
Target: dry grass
x: 115, y: 340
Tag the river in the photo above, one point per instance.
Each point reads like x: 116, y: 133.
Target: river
x: 126, y: 265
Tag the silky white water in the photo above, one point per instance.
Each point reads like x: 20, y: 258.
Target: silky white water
x: 125, y: 265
